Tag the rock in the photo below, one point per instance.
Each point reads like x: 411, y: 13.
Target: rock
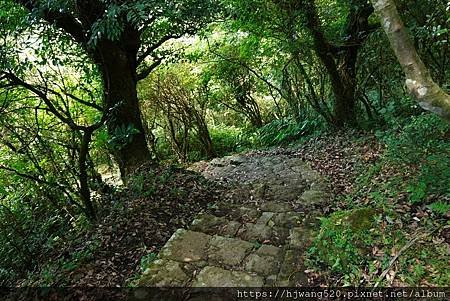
x: 312, y: 222
x: 269, y: 250
x: 310, y: 175
x: 265, y: 218
x: 291, y: 270
x: 300, y: 238
x: 228, y: 252
x: 164, y: 273
x: 210, y: 255
x: 249, y: 213
x: 230, y: 229
x: 238, y: 160
x: 263, y: 265
x: 216, y: 277
x: 208, y: 223
x: 218, y: 162
x: 186, y: 246
x: 279, y: 235
x: 311, y: 197
x: 260, y: 189
x: 255, y: 232
x: 271, y: 281
x: 276, y: 207
x: 288, y: 219
x: 320, y: 186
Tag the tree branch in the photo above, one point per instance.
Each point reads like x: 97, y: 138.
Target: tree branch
x: 144, y: 73
x: 62, y: 20
x: 155, y: 46
x: 418, y: 79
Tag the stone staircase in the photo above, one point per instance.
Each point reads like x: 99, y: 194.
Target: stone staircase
x: 256, y: 244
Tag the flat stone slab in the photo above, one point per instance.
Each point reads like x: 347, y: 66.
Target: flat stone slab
x: 276, y: 206
x: 300, y: 237
x: 186, y: 246
x: 311, y: 197
x: 291, y: 270
x: 279, y: 236
x: 216, y: 277
x: 288, y: 219
x: 310, y: 175
x: 164, y: 273
x: 228, y: 252
x: 265, y: 218
x: 255, y: 232
x: 248, y: 213
x: 230, y: 229
x: 269, y: 250
x: 208, y: 223
x: 263, y: 265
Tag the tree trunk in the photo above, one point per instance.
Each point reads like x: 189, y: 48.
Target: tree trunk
x: 85, y: 191
x: 418, y: 79
x: 340, y: 62
x: 118, y: 67
x: 203, y: 134
x: 342, y: 83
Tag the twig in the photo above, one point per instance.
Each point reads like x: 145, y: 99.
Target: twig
x: 394, y: 259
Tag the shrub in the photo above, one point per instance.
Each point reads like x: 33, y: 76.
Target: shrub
x: 344, y: 239
x: 421, y: 144
x: 285, y: 131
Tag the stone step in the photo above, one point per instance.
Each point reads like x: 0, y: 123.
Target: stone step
x: 251, y: 245
x: 190, y: 257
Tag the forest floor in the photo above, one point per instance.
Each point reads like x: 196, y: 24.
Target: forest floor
x: 115, y: 251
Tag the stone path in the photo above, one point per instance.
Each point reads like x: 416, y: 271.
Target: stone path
x: 255, y: 237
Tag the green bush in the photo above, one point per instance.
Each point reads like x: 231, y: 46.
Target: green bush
x: 344, y: 240
x: 29, y: 228
x: 285, y: 131
x: 229, y: 139
x: 421, y: 144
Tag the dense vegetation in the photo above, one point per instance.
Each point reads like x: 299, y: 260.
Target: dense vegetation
x: 92, y: 91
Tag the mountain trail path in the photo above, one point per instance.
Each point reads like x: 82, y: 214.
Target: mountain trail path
x: 255, y: 236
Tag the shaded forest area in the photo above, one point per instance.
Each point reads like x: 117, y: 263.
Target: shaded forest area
x: 104, y: 104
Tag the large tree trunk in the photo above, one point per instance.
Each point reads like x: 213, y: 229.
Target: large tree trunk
x: 341, y: 81
x: 118, y: 67
x: 340, y: 62
x: 419, y: 82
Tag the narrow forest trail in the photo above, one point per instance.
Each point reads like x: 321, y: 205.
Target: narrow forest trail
x: 255, y: 236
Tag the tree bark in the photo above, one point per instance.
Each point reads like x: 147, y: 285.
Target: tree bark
x: 340, y: 62
x: 85, y: 191
x: 117, y: 63
x: 344, y: 107
x: 418, y: 79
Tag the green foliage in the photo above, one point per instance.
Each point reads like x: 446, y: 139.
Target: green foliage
x: 146, y: 260
x: 228, y: 139
x: 344, y: 240
x: 282, y: 132
x: 56, y: 270
x: 413, y: 172
x: 421, y: 144
x: 122, y: 136
x: 440, y: 207
x: 29, y: 228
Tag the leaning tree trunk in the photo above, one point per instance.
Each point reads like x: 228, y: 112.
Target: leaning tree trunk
x: 418, y: 79
x: 340, y: 61
x: 342, y: 81
x: 118, y: 67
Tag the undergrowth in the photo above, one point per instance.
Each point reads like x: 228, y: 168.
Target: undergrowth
x: 409, y: 189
